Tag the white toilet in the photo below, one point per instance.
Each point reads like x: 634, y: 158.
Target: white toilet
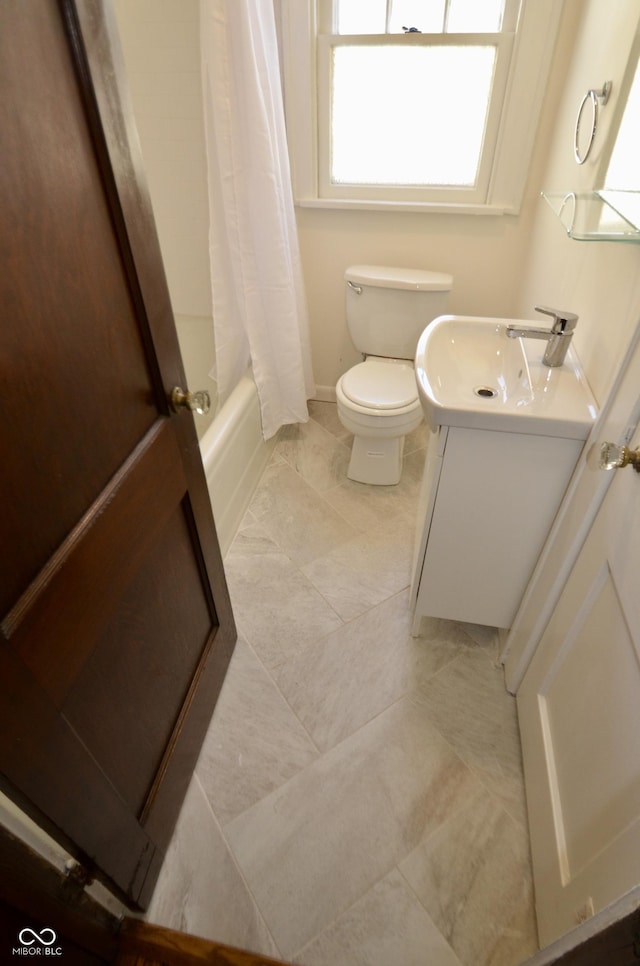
x: 387, y: 309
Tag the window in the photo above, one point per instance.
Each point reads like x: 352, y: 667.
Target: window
x: 415, y: 102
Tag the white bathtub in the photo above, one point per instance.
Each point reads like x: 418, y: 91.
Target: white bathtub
x: 233, y: 451
x: 234, y: 455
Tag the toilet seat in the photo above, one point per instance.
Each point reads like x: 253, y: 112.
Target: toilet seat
x: 379, y: 397
x: 381, y: 385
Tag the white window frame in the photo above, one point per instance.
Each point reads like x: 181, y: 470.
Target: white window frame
x: 522, y: 69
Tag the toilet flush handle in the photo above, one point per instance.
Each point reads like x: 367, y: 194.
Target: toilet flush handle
x: 356, y: 288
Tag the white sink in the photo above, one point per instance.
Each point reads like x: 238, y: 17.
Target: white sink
x: 471, y: 374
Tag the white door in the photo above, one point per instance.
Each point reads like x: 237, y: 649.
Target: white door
x: 579, y: 708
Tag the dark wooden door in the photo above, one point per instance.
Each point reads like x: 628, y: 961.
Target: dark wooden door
x: 116, y: 627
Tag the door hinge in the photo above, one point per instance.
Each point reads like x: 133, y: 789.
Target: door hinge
x: 76, y: 877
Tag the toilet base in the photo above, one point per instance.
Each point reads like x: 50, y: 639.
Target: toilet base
x: 376, y: 460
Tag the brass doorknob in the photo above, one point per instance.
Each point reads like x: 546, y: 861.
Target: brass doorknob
x: 614, y: 457
x: 198, y: 402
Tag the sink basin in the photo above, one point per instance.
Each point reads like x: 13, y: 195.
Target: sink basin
x: 471, y: 374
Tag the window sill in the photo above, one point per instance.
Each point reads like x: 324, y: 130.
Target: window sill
x: 424, y: 207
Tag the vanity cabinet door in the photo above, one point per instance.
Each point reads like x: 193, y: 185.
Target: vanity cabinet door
x: 497, y: 495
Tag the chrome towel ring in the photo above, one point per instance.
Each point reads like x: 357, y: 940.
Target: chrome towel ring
x: 594, y: 96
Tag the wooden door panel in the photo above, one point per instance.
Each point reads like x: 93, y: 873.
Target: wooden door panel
x: 55, y: 778
x: 82, y: 364
x: 115, y: 622
x: 57, y: 622
x: 164, y: 601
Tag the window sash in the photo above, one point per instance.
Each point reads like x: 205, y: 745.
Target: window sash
x: 477, y: 193
x: 537, y: 23
x: 442, y: 19
x: 327, y: 17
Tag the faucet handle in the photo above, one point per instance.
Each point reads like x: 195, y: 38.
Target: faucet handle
x: 562, y: 321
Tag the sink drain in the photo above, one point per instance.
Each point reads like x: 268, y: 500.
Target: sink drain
x: 487, y: 392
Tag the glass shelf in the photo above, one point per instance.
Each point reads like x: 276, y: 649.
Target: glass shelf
x: 597, y: 215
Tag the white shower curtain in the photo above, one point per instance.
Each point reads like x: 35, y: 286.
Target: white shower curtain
x: 259, y: 306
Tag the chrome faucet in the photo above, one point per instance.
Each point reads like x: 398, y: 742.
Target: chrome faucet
x: 558, y: 336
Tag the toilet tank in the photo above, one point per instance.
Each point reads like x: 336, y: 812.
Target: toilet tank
x: 388, y: 308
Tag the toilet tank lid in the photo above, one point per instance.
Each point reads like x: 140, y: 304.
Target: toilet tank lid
x: 386, y: 276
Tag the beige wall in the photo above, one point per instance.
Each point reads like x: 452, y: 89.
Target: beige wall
x: 501, y: 265
x: 485, y: 254
x: 598, y: 280
x: 161, y: 47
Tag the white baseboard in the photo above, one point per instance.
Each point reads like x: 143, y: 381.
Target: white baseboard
x: 325, y: 394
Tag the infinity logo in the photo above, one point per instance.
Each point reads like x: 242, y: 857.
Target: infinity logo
x: 37, y: 937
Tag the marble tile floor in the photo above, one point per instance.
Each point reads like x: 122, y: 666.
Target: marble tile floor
x: 359, y: 797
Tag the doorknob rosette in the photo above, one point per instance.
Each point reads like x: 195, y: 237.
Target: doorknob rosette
x: 198, y: 402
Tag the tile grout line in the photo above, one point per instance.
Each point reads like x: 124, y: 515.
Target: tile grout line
x: 345, y: 911
x: 422, y: 906
x: 284, y: 698
x: 405, y: 694
x: 338, y: 486
x: 237, y: 866
x: 475, y: 770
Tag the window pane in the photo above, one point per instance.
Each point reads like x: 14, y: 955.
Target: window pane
x: 429, y: 16
x: 426, y: 15
x: 475, y: 16
x: 624, y: 165
x: 409, y: 115
x: 362, y: 16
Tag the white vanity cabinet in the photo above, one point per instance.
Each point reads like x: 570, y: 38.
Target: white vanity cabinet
x: 488, y: 501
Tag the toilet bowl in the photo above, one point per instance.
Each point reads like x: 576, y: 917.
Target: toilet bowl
x: 387, y: 310
x: 378, y: 402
